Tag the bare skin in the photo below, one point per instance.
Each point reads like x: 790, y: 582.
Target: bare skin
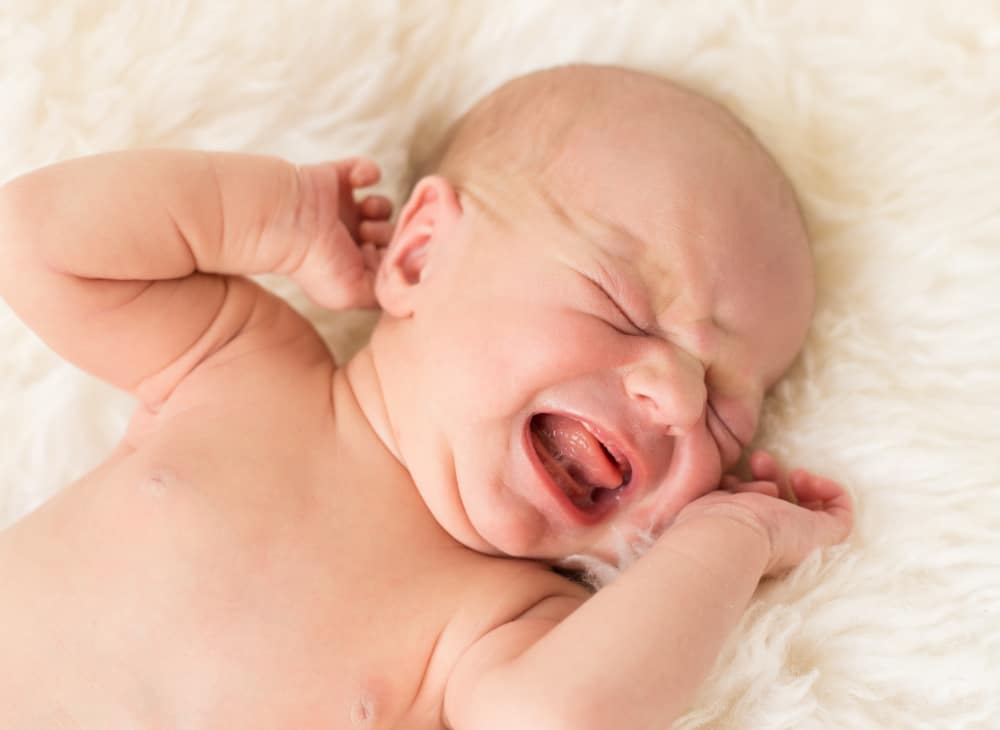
x: 277, y: 542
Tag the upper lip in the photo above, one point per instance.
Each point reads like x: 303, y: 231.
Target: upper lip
x: 620, y: 449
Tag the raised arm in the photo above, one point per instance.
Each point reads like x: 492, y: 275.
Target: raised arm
x: 632, y: 656
x: 131, y: 264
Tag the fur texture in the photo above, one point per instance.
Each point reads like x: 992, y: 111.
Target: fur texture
x: 885, y: 115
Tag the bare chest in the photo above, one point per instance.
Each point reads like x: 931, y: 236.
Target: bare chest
x: 229, y: 584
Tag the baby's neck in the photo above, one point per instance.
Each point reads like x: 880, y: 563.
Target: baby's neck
x: 359, y: 379
x: 366, y: 451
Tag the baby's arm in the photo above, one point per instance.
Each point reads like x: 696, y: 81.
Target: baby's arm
x: 632, y: 656
x: 131, y: 262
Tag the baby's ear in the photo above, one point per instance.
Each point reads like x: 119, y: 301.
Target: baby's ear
x: 432, y: 209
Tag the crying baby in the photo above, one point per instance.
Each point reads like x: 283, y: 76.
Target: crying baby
x: 583, y: 304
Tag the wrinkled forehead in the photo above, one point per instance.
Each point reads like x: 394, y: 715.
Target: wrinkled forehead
x: 699, y: 215
x: 665, y: 197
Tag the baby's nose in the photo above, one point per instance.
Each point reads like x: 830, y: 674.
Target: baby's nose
x: 670, y: 388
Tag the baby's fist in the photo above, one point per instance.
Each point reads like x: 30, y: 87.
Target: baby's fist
x: 794, y: 513
x: 341, y: 238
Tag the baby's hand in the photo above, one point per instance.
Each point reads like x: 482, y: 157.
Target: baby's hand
x: 343, y: 238
x: 796, y: 513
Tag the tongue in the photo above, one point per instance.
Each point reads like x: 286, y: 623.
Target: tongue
x: 576, y: 450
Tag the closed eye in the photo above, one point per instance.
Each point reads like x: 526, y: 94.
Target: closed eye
x: 730, y: 446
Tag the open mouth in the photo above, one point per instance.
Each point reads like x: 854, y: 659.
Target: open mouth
x: 590, y: 472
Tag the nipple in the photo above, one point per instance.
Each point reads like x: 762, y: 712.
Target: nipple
x: 157, y: 483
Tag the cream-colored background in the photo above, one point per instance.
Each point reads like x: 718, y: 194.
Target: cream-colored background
x: 885, y: 114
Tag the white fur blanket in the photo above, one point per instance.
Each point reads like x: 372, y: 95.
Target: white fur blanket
x: 885, y: 114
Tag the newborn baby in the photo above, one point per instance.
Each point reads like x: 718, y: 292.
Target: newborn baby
x: 582, y: 309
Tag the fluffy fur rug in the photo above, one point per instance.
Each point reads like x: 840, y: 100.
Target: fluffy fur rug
x: 887, y: 117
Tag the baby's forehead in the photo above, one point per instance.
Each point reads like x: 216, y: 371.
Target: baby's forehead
x: 680, y: 238
x: 676, y: 192
x: 547, y: 119
x: 644, y: 190
x: 629, y: 259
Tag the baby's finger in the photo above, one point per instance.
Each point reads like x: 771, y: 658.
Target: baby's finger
x: 371, y: 256
x: 814, y: 491
x: 828, y: 502
x: 363, y: 172
x: 729, y: 482
x: 765, y: 467
x: 377, y: 232
x: 376, y: 208
x: 769, y: 489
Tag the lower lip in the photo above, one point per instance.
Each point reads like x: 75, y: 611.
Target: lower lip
x: 566, y: 507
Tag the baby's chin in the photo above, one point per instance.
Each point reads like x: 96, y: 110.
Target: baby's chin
x: 517, y: 536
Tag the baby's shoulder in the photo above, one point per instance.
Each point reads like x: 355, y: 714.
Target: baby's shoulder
x: 489, y: 593
x: 505, y: 589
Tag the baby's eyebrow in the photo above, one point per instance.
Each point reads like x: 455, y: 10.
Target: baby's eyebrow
x: 619, y: 278
x: 619, y: 248
x: 647, y: 301
x: 622, y: 241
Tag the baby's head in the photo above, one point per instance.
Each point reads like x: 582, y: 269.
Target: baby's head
x: 583, y: 309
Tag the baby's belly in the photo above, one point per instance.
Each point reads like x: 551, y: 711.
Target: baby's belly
x: 141, y: 598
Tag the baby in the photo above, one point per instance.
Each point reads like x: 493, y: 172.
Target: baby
x: 582, y: 309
